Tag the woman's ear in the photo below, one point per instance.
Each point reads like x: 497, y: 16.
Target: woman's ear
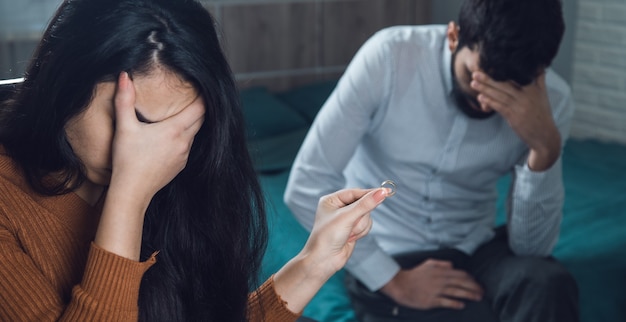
x: 453, y: 35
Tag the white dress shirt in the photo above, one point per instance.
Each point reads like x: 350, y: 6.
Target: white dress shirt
x: 391, y: 116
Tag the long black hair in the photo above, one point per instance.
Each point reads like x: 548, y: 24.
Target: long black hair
x: 209, y: 222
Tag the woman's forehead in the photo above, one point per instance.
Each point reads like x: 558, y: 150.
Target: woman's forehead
x: 159, y: 95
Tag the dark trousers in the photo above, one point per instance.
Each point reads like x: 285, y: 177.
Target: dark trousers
x: 517, y: 289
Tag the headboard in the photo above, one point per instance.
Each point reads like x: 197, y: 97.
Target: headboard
x: 7, y: 86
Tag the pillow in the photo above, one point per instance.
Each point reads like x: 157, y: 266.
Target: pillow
x: 308, y: 99
x: 267, y: 116
x: 276, y: 153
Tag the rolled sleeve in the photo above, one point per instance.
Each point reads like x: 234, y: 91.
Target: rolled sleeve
x: 536, y: 210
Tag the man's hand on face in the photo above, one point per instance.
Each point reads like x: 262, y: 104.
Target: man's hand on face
x: 433, y: 284
x: 527, y: 110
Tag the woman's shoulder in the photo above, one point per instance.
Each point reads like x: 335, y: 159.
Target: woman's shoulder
x: 11, y: 176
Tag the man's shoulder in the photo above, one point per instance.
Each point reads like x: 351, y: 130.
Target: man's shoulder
x: 413, y: 35
x: 560, y: 96
x: 555, y: 82
x: 558, y: 88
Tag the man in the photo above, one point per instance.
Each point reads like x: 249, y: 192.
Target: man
x: 445, y: 112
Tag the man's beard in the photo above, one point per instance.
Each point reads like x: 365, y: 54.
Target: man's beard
x: 463, y: 100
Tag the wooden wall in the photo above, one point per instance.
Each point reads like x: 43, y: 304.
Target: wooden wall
x: 273, y: 43
x: 285, y: 43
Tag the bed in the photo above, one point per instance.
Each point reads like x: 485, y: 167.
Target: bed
x: 592, y: 243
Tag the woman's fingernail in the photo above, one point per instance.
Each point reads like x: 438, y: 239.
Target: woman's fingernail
x: 381, y: 194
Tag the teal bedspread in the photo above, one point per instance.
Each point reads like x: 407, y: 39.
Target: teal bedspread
x: 592, y: 243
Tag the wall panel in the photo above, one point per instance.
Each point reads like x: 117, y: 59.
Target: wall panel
x: 274, y: 43
x: 284, y: 43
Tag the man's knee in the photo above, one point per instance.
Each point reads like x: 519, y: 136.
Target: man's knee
x: 546, y: 273
x: 537, y: 289
x: 543, y: 276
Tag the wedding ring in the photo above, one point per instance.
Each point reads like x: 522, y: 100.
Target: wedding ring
x: 391, y: 185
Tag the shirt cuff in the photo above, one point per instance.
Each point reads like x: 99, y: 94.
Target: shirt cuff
x: 375, y: 271
x: 529, y: 183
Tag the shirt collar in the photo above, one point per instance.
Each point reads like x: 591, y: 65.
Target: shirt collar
x: 447, y: 74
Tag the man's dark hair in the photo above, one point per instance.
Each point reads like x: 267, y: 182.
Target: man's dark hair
x: 516, y: 39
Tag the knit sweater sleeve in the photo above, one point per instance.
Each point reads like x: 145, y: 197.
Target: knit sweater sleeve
x: 265, y: 305
x: 108, y: 291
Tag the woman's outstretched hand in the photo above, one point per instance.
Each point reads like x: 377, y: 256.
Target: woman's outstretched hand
x: 341, y: 219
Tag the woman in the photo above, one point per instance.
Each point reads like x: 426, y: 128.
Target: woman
x: 127, y: 189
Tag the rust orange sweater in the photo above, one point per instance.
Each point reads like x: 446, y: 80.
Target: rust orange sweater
x: 51, y: 271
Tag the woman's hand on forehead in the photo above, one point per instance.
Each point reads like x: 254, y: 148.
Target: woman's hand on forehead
x: 147, y: 156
